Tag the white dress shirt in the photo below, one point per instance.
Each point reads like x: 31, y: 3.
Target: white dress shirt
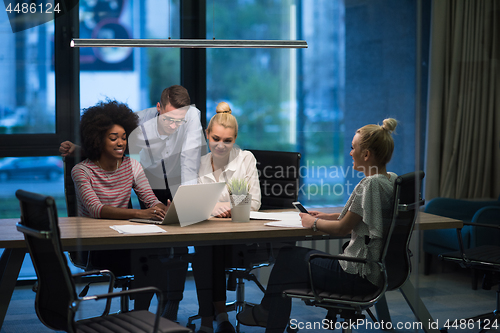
x: 242, y: 164
x: 176, y: 155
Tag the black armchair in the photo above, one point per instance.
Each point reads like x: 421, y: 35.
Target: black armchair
x: 485, y: 257
x: 394, y: 261
x: 56, y: 301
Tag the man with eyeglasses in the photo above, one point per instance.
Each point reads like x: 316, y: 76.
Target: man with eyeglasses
x: 169, y: 143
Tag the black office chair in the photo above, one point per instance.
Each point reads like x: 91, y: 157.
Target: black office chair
x: 394, y: 261
x: 279, y: 185
x: 118, y: 261
x: 279, y: 178
x: 485, y: 257
x: 56, y: 301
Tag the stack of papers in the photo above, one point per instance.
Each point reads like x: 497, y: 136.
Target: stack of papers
x: 137, y: 229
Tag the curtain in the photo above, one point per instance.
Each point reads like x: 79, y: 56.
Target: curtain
x: 463, y: 129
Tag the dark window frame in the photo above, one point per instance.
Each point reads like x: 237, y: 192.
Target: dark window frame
x: 66, y: 61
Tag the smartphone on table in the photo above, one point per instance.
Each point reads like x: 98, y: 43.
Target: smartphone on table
x: 299, y: 207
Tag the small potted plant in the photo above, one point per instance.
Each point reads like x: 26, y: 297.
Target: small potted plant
x: 240, y: 199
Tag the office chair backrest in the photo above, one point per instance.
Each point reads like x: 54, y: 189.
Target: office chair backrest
x: 78, y: 258
x: 397, y: 259
x: 56, y: 290
x: 69, y: 187
x: 279, y: 178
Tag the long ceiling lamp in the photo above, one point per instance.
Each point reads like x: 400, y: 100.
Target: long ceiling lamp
x: 189, y: 43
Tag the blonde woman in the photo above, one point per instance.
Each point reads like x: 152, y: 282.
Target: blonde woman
x: 227, y: 161
x: 371, y: 150
x: 224, y: 162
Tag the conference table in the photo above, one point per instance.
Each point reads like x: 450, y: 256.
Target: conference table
x: 95, y: 234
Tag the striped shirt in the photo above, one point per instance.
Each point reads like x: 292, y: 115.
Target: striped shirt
x: 96, y: 187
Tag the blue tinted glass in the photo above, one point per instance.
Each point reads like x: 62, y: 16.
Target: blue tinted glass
x: 27, y: 87
x: 132, y: 76
x: 284, y: 99
x: 35, y: 174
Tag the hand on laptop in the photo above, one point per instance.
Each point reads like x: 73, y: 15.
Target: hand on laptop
x: 222, y: 209
x: 154, y: 213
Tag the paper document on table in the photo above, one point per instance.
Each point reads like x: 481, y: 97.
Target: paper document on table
x: 264, y: 216
x: 285, y: 224
x: 285, y: 219
x: 137, y: 229
x: 278, y: 216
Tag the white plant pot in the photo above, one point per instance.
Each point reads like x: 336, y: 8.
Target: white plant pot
x: 240, y: 207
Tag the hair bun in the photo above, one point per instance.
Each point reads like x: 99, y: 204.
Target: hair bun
x: 223, y: 107
x: 390, y: 124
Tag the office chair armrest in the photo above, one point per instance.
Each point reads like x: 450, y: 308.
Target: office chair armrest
x: 338, y: 257
x: 155, y: 290
x: 329, y: 256
x: 103, y: 272
x: 95, y: 272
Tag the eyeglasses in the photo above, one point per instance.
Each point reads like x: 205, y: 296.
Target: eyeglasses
x: 177, y: 122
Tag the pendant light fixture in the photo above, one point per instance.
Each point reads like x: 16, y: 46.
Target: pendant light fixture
x: 189, y: 43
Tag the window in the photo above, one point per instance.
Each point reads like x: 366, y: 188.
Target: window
x: 27, y: 96
x: 358, y: 69
x: 284, y: 99
x: 27, y: 114
x: 135, y: 76
x: 40, y: 174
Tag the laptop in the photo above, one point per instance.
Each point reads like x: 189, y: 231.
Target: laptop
x: 191, y: 204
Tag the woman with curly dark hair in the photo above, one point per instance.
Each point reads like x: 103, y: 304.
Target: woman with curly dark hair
x: 105, y: 179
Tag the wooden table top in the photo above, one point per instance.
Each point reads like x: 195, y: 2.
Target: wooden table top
x: 425, y: 221
x: 88, y: 233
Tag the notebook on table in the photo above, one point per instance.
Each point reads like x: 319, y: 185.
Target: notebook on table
x: 191, y: 204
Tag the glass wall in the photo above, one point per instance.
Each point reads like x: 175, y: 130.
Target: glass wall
x: 133, y: 76
x: 27, y: 106
x: 358, y: 68
x: 284, y: 99
x: 27, y: 96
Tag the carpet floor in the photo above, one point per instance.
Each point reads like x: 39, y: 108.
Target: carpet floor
x: 447, y: 295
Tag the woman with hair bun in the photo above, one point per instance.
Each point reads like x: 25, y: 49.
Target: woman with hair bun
x: 224, y: 162
x: 223, y: 107
x: 371, y: 150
